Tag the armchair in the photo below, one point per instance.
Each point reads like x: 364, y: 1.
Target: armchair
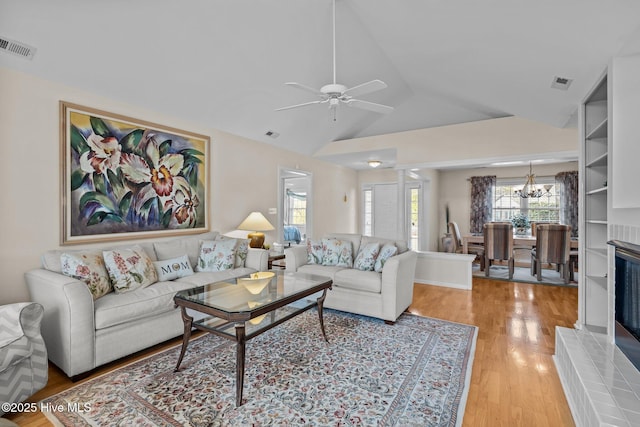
x: 23, y: 355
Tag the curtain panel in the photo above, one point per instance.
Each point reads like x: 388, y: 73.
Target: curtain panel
x: 568, y: 184
x: 482, y: 190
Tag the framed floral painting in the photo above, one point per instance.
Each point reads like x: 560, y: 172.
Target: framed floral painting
x: 124, y: 178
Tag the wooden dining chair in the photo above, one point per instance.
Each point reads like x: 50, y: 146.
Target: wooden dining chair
x: 477, y: 250
x: 553, y: 246
x: 498, y: 245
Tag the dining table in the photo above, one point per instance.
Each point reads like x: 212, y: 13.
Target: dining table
x: 526, y: 240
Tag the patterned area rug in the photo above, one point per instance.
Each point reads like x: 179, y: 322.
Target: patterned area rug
x: 413, y: 373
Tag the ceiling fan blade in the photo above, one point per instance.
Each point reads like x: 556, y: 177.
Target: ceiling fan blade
x: 364, y: 88
x: 305, y: 88
x: 299, y: 105
x: 371, y: 106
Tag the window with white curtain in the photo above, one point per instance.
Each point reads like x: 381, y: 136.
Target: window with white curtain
x: 507, y: 203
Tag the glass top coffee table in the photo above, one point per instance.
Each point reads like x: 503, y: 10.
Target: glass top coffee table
x: 239, y: 310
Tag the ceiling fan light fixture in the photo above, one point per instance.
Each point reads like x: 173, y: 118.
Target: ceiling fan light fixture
x: 374, y: 163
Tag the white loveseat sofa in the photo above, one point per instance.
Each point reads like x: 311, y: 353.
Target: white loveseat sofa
x: 82, y: 333
x: 384, y: 295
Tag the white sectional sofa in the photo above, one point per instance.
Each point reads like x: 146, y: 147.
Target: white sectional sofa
x: 82, y: 333
x: 384, y: 295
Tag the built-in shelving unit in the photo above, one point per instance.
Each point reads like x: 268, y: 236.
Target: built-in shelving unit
x: 594, y: 176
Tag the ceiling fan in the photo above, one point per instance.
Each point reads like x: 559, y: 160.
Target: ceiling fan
x: 335, y: 94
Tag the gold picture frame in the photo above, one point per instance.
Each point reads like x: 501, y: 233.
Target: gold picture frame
x: 124, y: 178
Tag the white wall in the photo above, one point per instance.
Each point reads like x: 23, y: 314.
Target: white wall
x: 243, y: 175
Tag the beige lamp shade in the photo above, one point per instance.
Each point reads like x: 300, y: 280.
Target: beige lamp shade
x: 256, y: 222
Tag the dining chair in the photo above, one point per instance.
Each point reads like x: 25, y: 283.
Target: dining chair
x: 476, y: 249
x: 498, y: 245
x: 553, y: 246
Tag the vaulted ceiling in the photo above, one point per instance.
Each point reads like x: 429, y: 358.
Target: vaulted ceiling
x: 223, y: 63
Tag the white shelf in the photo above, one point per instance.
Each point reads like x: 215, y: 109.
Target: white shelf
x: 597, y: 221
x: 597, y: 191
x: 600, y: 161
x: 598, y: 251
x: 600, y: 131
x: 599, y: 280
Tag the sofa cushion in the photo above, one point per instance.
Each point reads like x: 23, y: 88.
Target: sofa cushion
x: 366, y: 258
x: 217, y: 255
x: 386, y: 252
x: 207, y: 277
x: 314, y: 252
x: 87, y: 266
x: 173, y: 268
x: 337, y: 252
x: 241, y: 249
x: 115, y: 309
x: 320, y: 270
x: 400, y: 244
x: 352, y: 237
x: 183, y: 245
x: 350, y: 278
x: 129, y: 268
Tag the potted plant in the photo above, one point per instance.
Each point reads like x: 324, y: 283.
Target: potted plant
x: 521, y: 223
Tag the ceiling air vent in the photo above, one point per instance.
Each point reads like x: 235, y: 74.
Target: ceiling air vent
x: 16, y: 48
x: 561, y: 83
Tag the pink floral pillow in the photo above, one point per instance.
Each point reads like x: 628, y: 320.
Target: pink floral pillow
x: 129, y: 269
x: 88, y: 267
x: 217, y: 255
x: 314, y: 252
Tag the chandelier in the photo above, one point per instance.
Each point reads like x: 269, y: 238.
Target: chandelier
x: 530, y: 189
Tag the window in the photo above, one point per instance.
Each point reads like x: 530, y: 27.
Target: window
x: 414, y: 217
x: 506, y: 203
x: 367, y: 197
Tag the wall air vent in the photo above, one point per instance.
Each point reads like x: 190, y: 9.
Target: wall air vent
x: 16, y: 48
x: 561, y: 83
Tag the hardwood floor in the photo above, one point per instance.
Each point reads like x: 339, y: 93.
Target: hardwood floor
x: 514, y: 380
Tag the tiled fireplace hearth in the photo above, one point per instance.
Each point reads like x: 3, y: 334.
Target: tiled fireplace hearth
x: 601, y: 384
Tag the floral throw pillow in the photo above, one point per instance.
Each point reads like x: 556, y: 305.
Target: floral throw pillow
x: 129, y: 269
x: 366, y: 258
x: 386, y: 252
x: 337, y: 252
x: 241, y: 248
x: 88, y: 267
x: 314, y: 252
x: 173, y: 268
x: 217, y: 255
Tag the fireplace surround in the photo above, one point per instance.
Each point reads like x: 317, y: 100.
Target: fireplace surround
x: 627, y: 299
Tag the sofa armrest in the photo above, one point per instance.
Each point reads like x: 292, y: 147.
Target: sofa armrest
x: 397, y: 283
x: 258, y: 259
x: 295, y: 257
x: 68, y: 327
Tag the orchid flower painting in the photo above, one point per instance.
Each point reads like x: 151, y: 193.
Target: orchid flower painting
x: 124, y: 176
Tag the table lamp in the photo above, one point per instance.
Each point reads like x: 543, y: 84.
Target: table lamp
x: 256, y: 223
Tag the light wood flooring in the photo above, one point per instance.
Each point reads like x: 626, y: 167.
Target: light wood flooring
x: 514, y: 380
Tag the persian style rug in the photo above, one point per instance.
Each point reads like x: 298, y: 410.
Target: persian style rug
x: 413, y: 373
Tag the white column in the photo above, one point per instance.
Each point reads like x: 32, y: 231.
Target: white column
x: 402, y: 207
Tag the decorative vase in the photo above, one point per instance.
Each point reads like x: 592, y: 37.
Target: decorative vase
x: 521, y: 231
x: 447, y: 243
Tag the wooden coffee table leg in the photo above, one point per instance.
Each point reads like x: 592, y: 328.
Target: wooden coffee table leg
x: 240, y: 353
x: 188, y: 322
x: 320, y: 305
